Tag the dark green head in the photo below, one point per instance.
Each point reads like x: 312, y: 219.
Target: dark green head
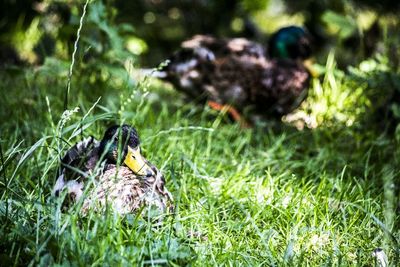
x: 290, y: 42
x: 122, y: 142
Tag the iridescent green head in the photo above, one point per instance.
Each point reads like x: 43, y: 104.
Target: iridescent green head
x: 291, y: 43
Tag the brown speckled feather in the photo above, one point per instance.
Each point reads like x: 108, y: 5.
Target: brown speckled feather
x: 125, y: 192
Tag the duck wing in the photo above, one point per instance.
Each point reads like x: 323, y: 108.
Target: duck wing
x: 268, y: 87
x: 283, y: 86
x: 210, y: 47
x: 76, y: 163
x: 196, y: 68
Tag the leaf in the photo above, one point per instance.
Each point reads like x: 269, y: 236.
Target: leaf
x: 343, y: 25
x: 26, y: 155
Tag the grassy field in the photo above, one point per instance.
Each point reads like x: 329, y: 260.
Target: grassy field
x: 269, y: 195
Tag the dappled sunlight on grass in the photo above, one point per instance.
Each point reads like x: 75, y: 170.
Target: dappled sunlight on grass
x: 269, y: 195
x: 332, y: 101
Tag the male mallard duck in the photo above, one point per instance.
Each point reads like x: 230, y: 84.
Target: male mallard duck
x: 243, y: 74
x: 124, y: 178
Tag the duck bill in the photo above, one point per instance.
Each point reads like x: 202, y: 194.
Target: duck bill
x: 308, y: 64
x: 137, y: 163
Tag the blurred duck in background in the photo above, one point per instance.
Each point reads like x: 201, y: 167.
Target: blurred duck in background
x: 238, y: 75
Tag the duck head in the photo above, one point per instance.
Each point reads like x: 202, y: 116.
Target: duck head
x: 121, y: 143
x: 291, y: 42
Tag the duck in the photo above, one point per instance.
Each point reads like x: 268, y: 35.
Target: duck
x: 124, y: 180
x: 240, y: 75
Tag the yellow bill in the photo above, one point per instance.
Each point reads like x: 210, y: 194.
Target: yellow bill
x: 309, y: 66
x: 137, y: 163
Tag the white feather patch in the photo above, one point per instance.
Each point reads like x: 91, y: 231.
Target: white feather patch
x: 185, y: 66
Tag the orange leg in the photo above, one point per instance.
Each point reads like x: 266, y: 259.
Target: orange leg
x: 231, y: 111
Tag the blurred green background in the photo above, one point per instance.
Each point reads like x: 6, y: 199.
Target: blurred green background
x: 152, y: 29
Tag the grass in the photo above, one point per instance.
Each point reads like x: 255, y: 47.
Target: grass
x: 270, y: 195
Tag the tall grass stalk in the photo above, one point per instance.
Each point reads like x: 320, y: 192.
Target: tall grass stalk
x: 78, y: 35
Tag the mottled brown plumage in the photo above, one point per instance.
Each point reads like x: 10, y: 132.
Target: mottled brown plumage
x: 126, y: 192
x: 239, y: 72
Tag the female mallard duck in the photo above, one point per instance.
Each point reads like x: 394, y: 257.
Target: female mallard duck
x: 124, y: 179
x: 241, y: 74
